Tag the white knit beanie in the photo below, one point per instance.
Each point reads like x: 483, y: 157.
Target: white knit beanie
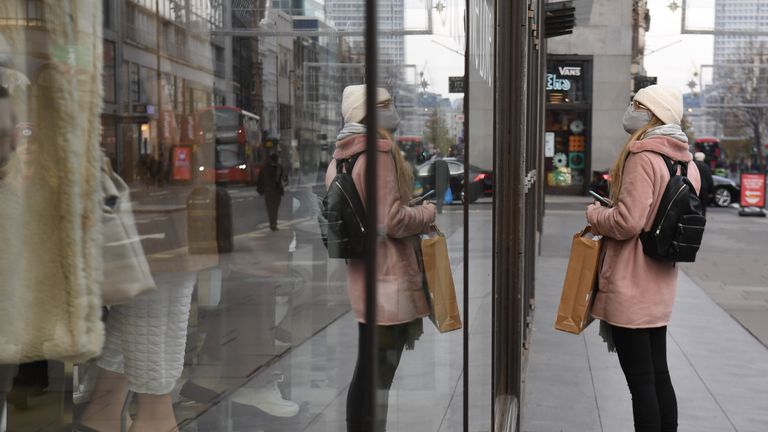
x: 664, y: 101
x: 353, y: 102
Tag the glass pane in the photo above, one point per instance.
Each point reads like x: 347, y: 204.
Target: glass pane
x: 481, y: 150
x: 199, y: 142
x: 566, y: 164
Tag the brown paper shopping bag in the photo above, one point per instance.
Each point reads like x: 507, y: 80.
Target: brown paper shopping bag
x: 580, y: 285
x: 442, y: 292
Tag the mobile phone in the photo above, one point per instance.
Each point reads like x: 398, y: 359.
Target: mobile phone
x: 418, y: 200
x: 601, y: 199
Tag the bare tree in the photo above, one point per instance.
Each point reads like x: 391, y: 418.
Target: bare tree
x: 745, y: 97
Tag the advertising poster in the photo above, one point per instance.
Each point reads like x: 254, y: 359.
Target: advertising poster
x: 182, y: 163
x: 752, y: 190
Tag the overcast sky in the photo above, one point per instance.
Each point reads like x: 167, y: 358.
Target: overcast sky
x: 675, y: 62
x: 679, y: 56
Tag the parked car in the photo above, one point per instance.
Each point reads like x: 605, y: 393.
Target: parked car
x: 725, y: 192
x: 599, y: 183
x: 481, y: 184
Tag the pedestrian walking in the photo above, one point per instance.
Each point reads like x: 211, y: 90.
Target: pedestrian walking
x: 707, y: 183
x: 401, y: 303
x: 271, y: 185
x: 636, y: 293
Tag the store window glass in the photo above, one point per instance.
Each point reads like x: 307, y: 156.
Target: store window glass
x: 567, y: 138
x: 566, y: 82
x: 177, y: 176
x: 565, y: 142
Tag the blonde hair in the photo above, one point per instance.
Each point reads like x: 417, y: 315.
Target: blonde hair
x: 402, y: 169
x: 617, y: 172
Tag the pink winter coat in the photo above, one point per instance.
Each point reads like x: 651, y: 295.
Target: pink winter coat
x: 400, y: 296
x: 636, y: 291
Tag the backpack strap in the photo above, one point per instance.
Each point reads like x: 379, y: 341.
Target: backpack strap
x: 672, y: 166
x: 347, y: 164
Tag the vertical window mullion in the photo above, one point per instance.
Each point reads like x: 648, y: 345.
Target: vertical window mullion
x: 370, y: 339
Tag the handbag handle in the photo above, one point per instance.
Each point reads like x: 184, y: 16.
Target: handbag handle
x: 587, y: 229
x: 436, y: 229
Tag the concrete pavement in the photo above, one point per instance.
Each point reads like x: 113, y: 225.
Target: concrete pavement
x: 720, y: 371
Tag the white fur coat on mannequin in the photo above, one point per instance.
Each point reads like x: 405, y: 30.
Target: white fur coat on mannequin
x: 50, y: 250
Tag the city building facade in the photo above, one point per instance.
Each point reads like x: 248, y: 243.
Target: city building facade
x: 590, y: 81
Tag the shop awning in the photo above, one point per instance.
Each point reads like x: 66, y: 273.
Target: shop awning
x: 559, y: 18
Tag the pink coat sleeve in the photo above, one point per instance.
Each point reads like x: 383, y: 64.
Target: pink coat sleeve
x: 394, y: 218
x: 629, y: 215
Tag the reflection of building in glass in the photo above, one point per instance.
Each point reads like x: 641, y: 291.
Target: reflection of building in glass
x: 739, y: 15
x: 309, y: 8
x: 348, y: 15
x: 324, y: 67
x: 701, y: 123
x: 276, y: 56
x: 730, y: 81
x: 197, y: 70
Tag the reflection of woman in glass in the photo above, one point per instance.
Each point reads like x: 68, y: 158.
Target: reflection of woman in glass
x: 401, y: 302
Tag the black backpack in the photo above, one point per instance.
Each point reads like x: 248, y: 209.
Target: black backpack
x: 676, y: 233
x: 342, y: 214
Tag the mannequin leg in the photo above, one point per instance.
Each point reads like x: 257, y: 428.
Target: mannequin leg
x: 105, y: 408
x: 154, y: 414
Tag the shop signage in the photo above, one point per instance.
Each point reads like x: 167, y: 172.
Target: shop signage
x: 140, y: 108
x: 555, y: 83
x: 456, y: 84
x: 182, y: 163
x: 752, y: 190
x: 570, y: 70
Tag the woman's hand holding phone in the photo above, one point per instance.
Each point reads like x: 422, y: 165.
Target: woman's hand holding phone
x: 601, y: 199
x: 420, y: 199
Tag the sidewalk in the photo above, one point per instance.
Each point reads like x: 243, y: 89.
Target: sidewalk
x: 719, y: 369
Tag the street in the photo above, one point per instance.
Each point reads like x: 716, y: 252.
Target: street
x: 732, y: 267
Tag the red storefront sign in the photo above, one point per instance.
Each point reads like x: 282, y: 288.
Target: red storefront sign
x: 182, y: 163
x: 752, y: 190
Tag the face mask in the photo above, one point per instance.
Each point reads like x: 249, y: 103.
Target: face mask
x: 388, y: 118
x: 635, y: 119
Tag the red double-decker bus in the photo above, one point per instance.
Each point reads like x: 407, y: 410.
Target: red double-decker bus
x: 710, y: 146
x: 229, y: 145
x: 412, y: 147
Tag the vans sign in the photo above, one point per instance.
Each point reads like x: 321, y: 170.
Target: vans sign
x: 570, y: 70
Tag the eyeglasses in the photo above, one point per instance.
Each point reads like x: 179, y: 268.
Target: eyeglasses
x: 637, y: 105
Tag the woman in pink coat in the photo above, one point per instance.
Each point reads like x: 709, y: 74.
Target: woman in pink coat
x: 636, y: 292
x: 401, y: 301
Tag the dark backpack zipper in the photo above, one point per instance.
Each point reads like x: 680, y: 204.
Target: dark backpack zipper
x: 362, y: 228
x: 658, y: 229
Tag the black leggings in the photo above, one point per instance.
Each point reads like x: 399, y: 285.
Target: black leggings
x: 643, y: 358
x: 392, y: 341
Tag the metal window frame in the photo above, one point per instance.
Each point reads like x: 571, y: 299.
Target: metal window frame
x: 370, y: 340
